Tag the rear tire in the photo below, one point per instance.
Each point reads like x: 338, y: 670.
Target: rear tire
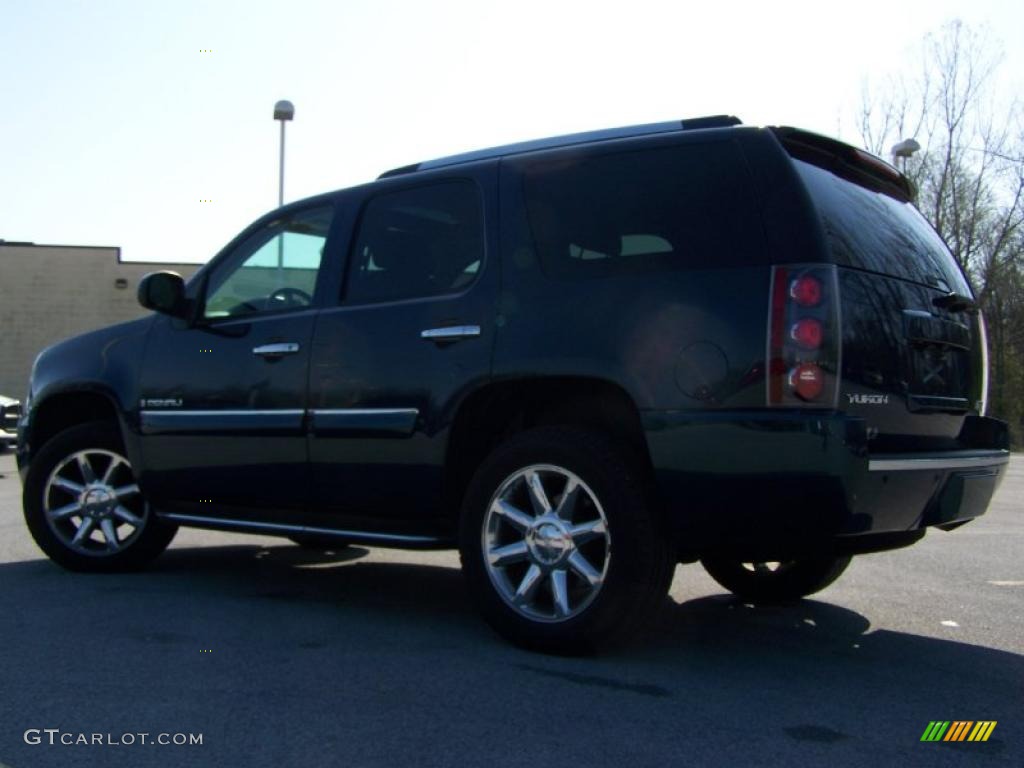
x: 786, y: 582
x: 83, y: 507
x: 559, y: 542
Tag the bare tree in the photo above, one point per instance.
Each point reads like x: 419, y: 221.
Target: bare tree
x: 970, y: 177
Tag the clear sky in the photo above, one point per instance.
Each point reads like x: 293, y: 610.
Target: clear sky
x: 115, y: 123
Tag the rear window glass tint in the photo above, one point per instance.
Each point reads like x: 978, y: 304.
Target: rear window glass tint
x: 683, y: 206
x: 872, y: 231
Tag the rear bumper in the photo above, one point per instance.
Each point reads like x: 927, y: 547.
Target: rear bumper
x: 771, y: 483
x: 946, y: 488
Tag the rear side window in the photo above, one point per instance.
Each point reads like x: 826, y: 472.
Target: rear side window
x: 416, y: 242
x: 872, y: 231
x: 682, y: 206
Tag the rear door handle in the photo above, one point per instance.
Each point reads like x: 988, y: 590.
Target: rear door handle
x: 451, y: 333
x: 954, y: 302
x: 276, y: 350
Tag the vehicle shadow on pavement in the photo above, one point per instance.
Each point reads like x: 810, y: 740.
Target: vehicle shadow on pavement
x: 335, y: 577
x: 280, y: 618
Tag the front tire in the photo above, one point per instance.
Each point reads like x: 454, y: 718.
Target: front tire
x: 777, y: 582
x: 84, y: 508
x: 559, y: 542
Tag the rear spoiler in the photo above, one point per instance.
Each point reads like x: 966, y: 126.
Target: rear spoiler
x: 847, y: 162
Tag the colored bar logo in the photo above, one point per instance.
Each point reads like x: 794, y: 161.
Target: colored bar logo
x: 958, y: 730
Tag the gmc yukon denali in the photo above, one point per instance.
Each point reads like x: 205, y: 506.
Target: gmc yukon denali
x: 580, y: 360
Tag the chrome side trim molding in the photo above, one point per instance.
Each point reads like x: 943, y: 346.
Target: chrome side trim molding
x: 323, y: 421
x: 364, y: 411
x: 257, y: 526
x: 282, y: 411
x: 383, y: 421
x: 220, y: 421
x: 939, y: 462
x: 229, y: 413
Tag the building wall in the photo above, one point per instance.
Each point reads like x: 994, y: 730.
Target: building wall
x: 48, y: 293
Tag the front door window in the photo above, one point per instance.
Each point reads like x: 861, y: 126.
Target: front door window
x: 275, y: 269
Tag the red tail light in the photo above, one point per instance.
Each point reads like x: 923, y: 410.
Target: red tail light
x: 808, y: 332
x: 806, y: 291
x: 803, y: 336
x: 807, y: 380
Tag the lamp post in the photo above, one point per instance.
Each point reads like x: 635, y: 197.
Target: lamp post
x: 904, y: 149
x: 284, y: 111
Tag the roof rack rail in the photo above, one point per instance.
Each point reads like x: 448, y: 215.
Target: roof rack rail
x: 692, y: 124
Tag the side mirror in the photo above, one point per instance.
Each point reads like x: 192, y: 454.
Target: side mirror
x: 163, y: 292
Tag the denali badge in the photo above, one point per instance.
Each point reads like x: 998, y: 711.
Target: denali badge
x: 161, y: 402
x: 860, y: 399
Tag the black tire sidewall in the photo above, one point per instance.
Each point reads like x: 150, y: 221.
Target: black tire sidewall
x: 153, y: 539
x: 638, y: 557
x: 801, y: 578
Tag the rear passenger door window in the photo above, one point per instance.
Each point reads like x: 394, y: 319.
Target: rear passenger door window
x: 416, y: 242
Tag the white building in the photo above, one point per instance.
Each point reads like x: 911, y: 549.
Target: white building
x: 51, y: 292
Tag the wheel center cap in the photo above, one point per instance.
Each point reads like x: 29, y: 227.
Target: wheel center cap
x: 97, y: 499
x: 548, y: 543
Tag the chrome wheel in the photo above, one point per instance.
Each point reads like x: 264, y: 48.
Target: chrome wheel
x: 546, y: 545
x: 92, y: 503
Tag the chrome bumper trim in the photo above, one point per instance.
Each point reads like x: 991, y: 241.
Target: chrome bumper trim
x: 938, y: 462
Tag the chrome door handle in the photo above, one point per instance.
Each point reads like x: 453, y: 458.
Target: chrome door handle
x: 451, y: 333
x: 276, y: 350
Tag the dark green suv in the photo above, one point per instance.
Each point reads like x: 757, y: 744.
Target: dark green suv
x: 580, y: 360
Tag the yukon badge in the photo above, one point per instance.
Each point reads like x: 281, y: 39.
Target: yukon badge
x: 161, y: 402
x: 861, y: 399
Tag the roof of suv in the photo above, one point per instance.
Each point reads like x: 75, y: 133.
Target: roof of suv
x: 587, y: 137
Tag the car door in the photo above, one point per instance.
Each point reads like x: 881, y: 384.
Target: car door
x: 223, y: 398
x: 411, y: 334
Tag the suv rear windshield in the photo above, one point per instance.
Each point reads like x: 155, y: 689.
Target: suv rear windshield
x: 682, y: 206
x: 873, y: 231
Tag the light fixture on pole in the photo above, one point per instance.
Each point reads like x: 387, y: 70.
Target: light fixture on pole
x: 904, y: 149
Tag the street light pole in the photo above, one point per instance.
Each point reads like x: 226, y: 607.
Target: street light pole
x: 280, y: 175
x: 284, y: 111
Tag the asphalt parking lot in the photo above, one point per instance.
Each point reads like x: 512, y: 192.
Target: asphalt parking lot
x: 376, y: 658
